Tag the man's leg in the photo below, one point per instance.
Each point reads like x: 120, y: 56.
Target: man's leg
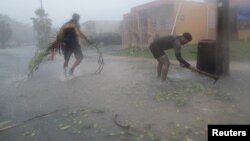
x: 165, y: 66
x: 79, y: 56
x: 65, y: 64
x: 156, y: 53
x: 159, y: 68
x: 67, y: 53
x: 77, y: 62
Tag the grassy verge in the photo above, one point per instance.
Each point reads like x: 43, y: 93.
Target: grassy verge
x: 189, y: 52
x: 239, y: 51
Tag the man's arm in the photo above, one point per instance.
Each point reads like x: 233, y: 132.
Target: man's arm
x: 177, y: 50
x: 81, y: 35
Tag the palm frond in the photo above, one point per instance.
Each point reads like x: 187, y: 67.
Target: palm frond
x: 38, y: 57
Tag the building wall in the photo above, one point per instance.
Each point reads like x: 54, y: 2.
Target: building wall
x: 145, y: 22
x: 159, y: 21
x: 157, y: 18
x: 244, y: 30
x: 108, y: 26
x: 235, y: 3
x: 130, y: 33
x: 96, y: 27
x: 244, y: 34
x: 197, y: 18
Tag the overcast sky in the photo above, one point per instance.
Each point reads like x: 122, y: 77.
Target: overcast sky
x: 61, y: 10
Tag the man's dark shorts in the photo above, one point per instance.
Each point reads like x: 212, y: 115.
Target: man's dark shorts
x: 72, y: 47
x: 156, y: 51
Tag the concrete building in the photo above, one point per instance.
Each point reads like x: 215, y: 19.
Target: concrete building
x: 104, y: 32
x: 169, y: 17
x: 173, y: 17
x: 96, y: 27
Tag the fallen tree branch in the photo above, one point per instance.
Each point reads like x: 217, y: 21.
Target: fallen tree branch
x: 127, y: 127
x: 214, y: 77
x: 100, y: 60
x: 28, y: 120
x: 39, y: 55
x: 115, y: 120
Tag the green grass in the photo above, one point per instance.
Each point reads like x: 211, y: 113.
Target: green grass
x: 239, y: 51
x: 188, y: 51
x: 134, y: 52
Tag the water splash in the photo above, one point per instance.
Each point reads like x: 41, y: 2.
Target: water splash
x: 65, y: 77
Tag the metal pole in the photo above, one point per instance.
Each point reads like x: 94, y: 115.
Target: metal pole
x: 222, y: 50
x: 41, y: 4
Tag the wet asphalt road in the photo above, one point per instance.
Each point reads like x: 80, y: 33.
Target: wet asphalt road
x: 128, y: 87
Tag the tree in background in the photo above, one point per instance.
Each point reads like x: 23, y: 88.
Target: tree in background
x: 42, y: 26
x: 18, y: 31
x: 5, y: 32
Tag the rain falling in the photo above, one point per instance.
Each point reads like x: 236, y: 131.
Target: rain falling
x: 134, y: 70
